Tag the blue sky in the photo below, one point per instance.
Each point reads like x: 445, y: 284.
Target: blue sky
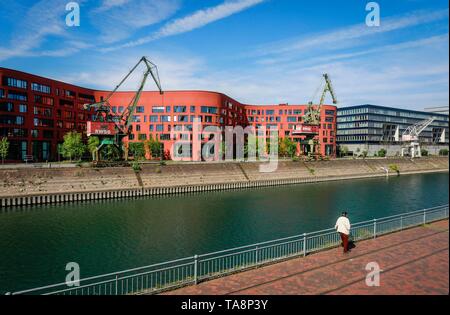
x: 257, y: 51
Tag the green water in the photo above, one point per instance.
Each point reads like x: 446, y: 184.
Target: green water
x: 36, y: 243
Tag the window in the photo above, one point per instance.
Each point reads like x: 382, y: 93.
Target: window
x: 43, y: 100
x: 151, y: 128
x: 2, y: 93
x: 65, y: 103
x: 114, y: 109
x: 154, y: 118
x: 6, y: 107
x: 121, y: 108
x: 18, y: 96
x: 297, y: 111
x: 42, y: 111
x: 183, y: 118
x: 40, y: 88
x: 292, y: 119
x: 179, y: 109
x: 70, y: 94
x: 329, y: 112
x: 165, y: 118
x: 192, y: 109
x: 270, y: 112
x: 22, y: 84
x: 20, y: 120
x: 164, y: 136
x: 22, y: 108
x: 87, y: 97
x: 157, y: 109
x: 167, y: 109
x: 138, y: 128
x: 35, y: 133
x: 136, y: 118
x: 139, y: 109
x: 159, y: 127
x: 142, y: 136
x: 209, y: 109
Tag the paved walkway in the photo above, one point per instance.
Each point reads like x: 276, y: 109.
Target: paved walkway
x: 414, y: 261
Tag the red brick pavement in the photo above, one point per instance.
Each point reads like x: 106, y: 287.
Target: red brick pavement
x: 414, y: 261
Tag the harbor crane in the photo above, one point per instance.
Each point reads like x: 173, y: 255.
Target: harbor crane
x: 111, y: 128
x: 311, y: 119
x: 410, y: 138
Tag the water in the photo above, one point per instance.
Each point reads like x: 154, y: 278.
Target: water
x: 37, y: 242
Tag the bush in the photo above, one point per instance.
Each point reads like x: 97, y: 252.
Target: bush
x: 395, y: 168
x: 136, y: 167
x: 443, y: 152
x: 424, y: 152
x: 382, y: 152
x: 137, y: 149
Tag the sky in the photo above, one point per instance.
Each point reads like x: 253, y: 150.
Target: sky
x: 256, y: 51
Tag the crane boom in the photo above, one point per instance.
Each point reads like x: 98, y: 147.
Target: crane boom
x: 118, y: 127
x: 313, y: 114
x: 412, y: 132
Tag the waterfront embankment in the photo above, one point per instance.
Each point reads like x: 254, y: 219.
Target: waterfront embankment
x: 25, y: 186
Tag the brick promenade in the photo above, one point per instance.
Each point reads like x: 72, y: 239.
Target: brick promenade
x: 414, y: 261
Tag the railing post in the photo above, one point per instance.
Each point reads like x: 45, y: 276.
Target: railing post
x: 195, y: 269
x: 304, y: 244
x: 401, y: 222
x: 374, y: 228
x: 256, y: 256
x: 117, y: 284
x: 424, y: 217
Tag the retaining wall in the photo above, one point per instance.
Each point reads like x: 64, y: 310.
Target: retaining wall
x: 42, y: 186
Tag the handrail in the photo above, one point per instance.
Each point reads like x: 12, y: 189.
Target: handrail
x: 220, y: 261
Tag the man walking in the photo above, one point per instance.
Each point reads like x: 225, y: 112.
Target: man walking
x: 343, y: 228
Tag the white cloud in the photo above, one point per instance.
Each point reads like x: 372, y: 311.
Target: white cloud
x: 193, y: 21
x: 119, y: 19
x: 348, y: 36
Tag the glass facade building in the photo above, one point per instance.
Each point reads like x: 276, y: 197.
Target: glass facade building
x: 373, y: 124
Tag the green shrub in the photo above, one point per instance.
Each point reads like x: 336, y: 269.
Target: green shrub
x: 382, y: 152
x: 394, y: 167
x: 443, y: 152
x: 424, y: 152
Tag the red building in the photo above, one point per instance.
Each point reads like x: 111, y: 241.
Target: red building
x: 36, y: 112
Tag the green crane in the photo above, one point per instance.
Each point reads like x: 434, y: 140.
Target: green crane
x: 312, y: 117
x: 121, y: 124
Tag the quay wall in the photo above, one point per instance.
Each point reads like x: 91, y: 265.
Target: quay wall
x: 43, y: 185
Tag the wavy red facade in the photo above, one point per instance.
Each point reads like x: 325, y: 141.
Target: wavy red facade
x: 36, y: 112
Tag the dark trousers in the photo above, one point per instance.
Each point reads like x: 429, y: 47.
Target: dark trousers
x: 344, y: 238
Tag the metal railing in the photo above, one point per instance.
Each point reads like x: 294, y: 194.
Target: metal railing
x: 190, y: 270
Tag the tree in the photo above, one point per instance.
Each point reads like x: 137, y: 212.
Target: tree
x: 4, y: 148
x: 137, y: 149
x: 93, y: 143
x: 73, y: 146
x: 287, y: 147
x: 155, y: 146
x: 343, y: 150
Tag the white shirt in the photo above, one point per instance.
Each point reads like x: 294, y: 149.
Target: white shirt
x: 343, y: 225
